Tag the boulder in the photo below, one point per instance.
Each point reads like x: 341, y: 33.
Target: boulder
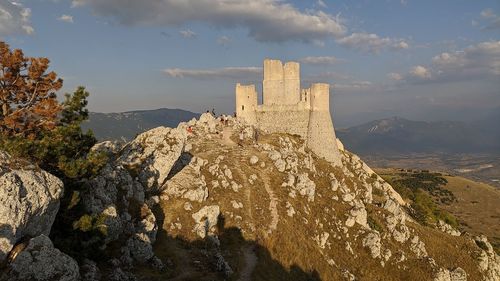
x: 152, y: 155
x: 372, y: 242
x: 40, y: 261
x: 29, y: 202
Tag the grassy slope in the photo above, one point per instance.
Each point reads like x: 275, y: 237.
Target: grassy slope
x: 476, y: 206
x: 290, y: 252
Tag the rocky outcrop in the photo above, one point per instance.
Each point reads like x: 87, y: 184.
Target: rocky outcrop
x: 40, y: 261
x: 153, y: 154
x: 489, y: 261
x: 457, y: 274
x: 29, y: 201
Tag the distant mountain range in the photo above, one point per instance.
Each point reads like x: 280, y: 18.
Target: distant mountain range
x: 399, y: 135
x: 126, y: 125
x: 394, y: 135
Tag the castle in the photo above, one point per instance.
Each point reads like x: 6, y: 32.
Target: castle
x: 286, y: 108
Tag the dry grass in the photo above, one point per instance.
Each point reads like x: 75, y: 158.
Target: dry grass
x: 290, y: 252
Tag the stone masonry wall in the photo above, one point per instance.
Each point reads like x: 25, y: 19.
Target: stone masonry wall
x: 292, y: 119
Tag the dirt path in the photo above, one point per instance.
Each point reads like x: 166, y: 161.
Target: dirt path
x: 250, y: 263
x: 273, y: 204
x: 226, y: 136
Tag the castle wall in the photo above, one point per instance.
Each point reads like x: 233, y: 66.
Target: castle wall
x: 246, y: 102
x: 321, y: 135
x: 291, y: 119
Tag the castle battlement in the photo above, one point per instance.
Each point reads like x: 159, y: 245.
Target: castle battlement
x: 286, y: 108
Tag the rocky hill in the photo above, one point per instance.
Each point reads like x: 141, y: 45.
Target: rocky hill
x: 215, y: 202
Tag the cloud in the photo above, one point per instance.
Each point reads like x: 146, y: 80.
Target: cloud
x: 265, y: 20
x: 355, y: 85
x: 477, y: 62
x: 223, y: 40
x: 487, y: 14
x: 14, y: 19
x: 321, y: 60
x: 321, y: 4
x: 188, y: 33
x: 232, y: 73
x: 493, y: 20
x: 325, y: 76
x: 369, y: 42
x: 66, y: 18
x: 420, y: 72
x: 395, y: 76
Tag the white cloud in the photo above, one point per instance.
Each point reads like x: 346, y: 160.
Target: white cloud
x: 371, y: 42
x: 420, y: 72
x: 265, y: 20
x: 476, y: 62
x: 321, y: 4
x: 395, y: 76
x: 491, y: 18
x: 488, y: 13
x: 223, y: 40
x: 233, y: 73
x: 320, y: 60
x: 66, y: 18
x: 14, y: 19
x: 188, y: 33
x: 355, y: 85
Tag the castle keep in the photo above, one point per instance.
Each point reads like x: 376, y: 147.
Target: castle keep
x: 286, y: 108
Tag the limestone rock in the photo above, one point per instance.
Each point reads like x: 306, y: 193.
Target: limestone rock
x: 205, y: 219
x: 306, y: 187
x: 418, y: 247
x: 446, y: 228
x: 489, y: 261
x: 153, y: 154
x: 358, y: 215
x: 321, y: 239
x: 254, y: 159
x: 372, y: 242
x: 40, y: 261
x: 110, y: 148
x: 458, y: 274
x: 29, y: 201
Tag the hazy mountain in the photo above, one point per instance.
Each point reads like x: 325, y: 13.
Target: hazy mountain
x: 116, y: 126
x: 399, y: 135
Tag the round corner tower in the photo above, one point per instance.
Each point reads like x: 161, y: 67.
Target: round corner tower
x: 321, y: 135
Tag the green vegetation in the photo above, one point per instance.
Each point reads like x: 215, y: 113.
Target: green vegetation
x: 39, y: 131
x: 374, y: 224
x: 420, y: 188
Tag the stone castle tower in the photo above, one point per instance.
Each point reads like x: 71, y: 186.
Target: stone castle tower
x: 286, y: 108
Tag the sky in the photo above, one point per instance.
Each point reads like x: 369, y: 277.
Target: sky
x: 424, y: 60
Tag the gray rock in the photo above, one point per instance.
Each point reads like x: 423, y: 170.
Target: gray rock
x: 153, y: 154
x: 110, y: 148
x: 89, y: 271
x: 140, y: 248
x: 29, y: 202
x: 254, y: 159
x: 40, y: 261
x: 372, y: 242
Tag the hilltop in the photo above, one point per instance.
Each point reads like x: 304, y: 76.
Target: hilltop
x: 206, y: 205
